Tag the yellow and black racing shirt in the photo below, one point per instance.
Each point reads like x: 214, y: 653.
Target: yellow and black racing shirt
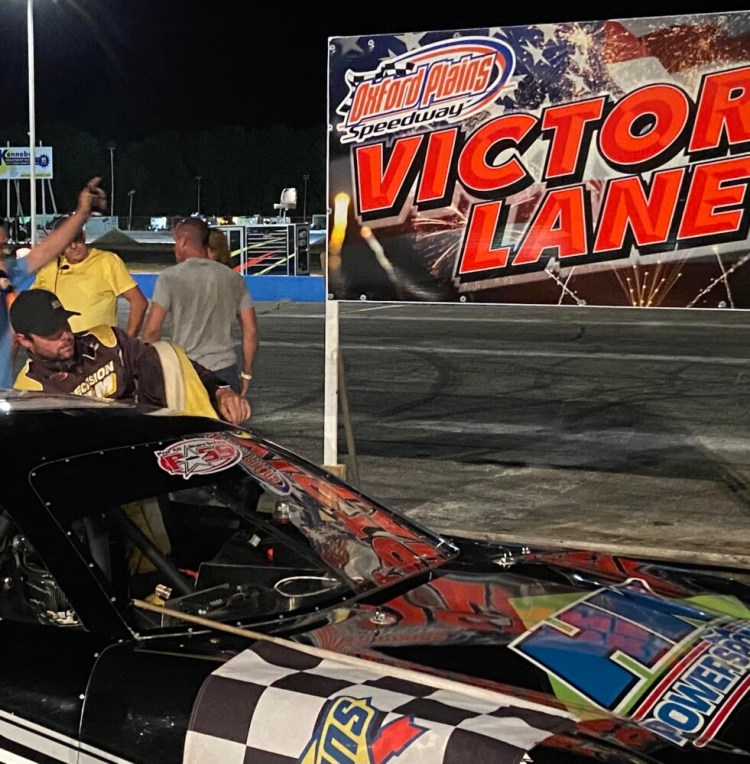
x: 108, y: 363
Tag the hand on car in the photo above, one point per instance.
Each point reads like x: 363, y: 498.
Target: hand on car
x: 232, y: 408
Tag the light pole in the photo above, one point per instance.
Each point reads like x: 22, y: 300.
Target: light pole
x: 198, y: 178
x: 32, y: 119
x: 131, y: 194
x: 304, y: 199
x: 111, y: 146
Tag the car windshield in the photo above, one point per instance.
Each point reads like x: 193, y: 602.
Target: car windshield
x: 226, y: 525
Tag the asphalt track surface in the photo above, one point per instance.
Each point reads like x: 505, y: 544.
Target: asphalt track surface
x: 626, y: 430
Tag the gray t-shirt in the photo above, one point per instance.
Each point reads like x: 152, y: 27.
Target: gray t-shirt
x: 203, y: 298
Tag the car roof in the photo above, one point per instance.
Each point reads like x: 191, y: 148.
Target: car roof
x: 39, y: 427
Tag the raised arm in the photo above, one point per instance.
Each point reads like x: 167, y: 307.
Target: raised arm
x: 56, y: 241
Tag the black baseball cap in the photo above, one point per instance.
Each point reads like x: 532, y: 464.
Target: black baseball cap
x: 40, y: 312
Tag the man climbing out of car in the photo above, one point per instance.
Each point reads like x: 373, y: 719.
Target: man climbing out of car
x: 105, y: 362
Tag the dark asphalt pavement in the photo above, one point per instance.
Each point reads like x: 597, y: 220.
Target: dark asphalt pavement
x: 619, y: 429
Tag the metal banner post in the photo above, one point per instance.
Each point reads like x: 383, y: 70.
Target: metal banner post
x: 330, y: 405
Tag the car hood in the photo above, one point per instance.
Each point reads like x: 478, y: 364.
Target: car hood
x: 677, y: 670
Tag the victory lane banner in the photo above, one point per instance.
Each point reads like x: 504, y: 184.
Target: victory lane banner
x: 589, y: 163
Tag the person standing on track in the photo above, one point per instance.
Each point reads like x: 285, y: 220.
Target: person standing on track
x: 89, y: 281
x: 204, y: 299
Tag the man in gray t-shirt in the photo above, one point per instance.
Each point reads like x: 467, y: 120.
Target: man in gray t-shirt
x: 203, y: 299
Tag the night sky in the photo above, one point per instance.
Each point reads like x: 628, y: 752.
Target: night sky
x: 124, y: 69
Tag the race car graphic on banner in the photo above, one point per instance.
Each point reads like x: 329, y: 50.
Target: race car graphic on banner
x: 598, y: 162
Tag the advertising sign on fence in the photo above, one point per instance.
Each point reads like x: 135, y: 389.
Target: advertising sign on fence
x: 590, y: 163
x: 15, y: 165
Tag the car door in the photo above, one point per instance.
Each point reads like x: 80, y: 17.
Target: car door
x: 48, y: 646
x: 45, y: 673
x: 142, y: 693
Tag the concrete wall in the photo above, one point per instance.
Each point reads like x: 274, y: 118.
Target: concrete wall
x: 263, y: 288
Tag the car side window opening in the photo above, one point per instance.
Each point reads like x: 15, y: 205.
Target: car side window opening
x: 187, y: 549
x: 193, y: 551
x: 28, y: 591
x: 260, y: 538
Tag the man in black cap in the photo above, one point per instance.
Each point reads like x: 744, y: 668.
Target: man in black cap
x: 105, y: 362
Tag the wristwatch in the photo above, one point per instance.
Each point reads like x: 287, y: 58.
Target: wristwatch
x: 246, y: 376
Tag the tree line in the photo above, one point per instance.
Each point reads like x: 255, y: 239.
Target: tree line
x: 242, y: 170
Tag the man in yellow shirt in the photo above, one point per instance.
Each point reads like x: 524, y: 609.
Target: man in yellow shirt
x: 89, y: 281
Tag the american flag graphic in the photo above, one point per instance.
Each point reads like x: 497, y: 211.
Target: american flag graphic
x: 414, y: 257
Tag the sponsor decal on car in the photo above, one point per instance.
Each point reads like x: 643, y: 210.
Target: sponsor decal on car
x: 293, y: 703
x: 266, y: 474
x: 680, y: 672
x: 698, y: 695
x: 354, y: 725
x: 198, y: 456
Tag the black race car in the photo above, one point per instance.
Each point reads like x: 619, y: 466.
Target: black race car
x: 175, y: 589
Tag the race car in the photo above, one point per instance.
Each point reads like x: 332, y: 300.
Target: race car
x: 178, y: 589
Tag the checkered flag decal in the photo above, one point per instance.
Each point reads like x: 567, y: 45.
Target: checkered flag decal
x: 278, y: 705
x: 388, y: 69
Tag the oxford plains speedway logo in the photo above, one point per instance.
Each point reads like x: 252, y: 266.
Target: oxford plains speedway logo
x: 442, y: 82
